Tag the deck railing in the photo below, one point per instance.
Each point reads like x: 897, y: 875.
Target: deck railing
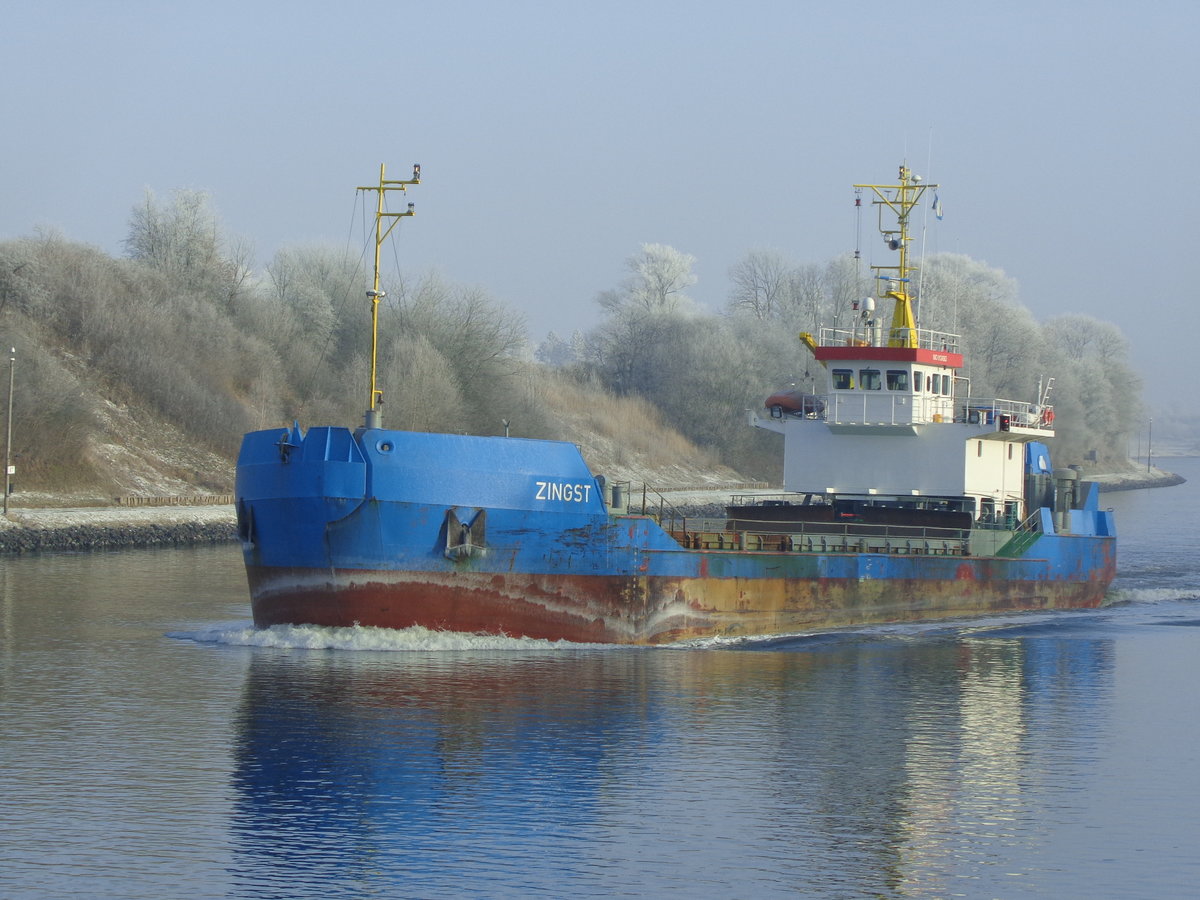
x: 707, y: 533
x: 897, y: 408
x: 822, y: 537
x: 926, y: 339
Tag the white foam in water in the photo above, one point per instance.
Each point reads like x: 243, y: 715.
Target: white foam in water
x: 1152, y: 596
x: 726, y: 642
x: 388, y: 640
x: 935, y: 628
x: 418, y: 639
x: 720, y: 642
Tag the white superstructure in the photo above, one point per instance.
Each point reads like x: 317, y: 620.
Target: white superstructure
x: 896, y: 421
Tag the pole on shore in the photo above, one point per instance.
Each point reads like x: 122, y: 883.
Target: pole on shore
x: 12, y: 364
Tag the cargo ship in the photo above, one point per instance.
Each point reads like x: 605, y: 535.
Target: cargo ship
x: 904, y: 499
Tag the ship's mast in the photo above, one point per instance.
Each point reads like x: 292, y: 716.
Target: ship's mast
x: 900, y: 199
x: 375, y: 400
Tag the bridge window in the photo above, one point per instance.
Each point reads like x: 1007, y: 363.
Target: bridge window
x: 870, y: 379
x: 918, y: 380
x: 897, y: 380
x: 843, y: 380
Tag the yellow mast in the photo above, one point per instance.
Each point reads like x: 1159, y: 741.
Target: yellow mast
x: 900, y: 199
x: 375, y: 401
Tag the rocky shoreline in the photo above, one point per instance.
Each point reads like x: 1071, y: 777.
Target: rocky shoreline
x: 1153, y: 479
x: 117, y: 537
x: 49, y: 529
x: 113, y: 528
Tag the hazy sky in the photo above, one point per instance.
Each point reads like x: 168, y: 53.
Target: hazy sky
x: 556, y: 138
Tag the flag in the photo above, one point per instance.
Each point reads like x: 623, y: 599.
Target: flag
x: 937, y: 206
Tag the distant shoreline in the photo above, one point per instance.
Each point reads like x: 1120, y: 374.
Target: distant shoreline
x: 1135, y: 481
x: 55, y: 530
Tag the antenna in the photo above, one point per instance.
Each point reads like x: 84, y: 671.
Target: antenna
x: 899, y: 199
x: 373, y: 416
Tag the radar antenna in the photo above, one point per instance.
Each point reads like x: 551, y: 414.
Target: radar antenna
x: 893, y: 280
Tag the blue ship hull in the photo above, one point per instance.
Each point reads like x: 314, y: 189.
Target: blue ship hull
x: 394, y: 529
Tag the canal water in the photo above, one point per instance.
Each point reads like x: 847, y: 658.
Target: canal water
x: 153, y: 744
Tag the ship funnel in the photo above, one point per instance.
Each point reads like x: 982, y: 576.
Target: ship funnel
x: 1065, y: 486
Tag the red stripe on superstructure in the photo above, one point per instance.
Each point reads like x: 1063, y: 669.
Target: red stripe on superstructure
x: 892, y: 354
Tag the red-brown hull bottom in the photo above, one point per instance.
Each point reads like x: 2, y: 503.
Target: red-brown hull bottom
x: 635, y: 610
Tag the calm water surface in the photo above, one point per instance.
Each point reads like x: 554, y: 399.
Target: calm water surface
x: 154, y: 745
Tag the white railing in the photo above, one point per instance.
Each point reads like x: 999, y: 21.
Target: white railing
x: 895, y: 408
x: 878, y: 337
x: 1011, y: 413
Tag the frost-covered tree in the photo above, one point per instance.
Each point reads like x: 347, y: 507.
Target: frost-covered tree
x: 479, y: 345
x: 1096, y: 389
x: 183, y: 241
x: 642, y: 315
x: 554, y: 351
x: 660, y: 275
x: 311, y: 286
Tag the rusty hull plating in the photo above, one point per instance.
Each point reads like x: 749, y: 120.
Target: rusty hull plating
x: 640, y: 609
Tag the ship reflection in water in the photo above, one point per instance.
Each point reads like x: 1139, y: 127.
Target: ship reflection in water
x: 854, y: 764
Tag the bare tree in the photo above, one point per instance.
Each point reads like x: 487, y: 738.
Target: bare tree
x: 759, y: 282
x: 427, y: 395
x: 480, y: 340
x: 807, y: 298
x: 845, y: 282
x: 1079, y: 336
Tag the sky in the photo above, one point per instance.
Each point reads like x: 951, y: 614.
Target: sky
x: 557, y: 138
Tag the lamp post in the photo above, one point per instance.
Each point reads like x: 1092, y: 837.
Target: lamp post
x: 12, y: 364
x: 1149, y: 444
